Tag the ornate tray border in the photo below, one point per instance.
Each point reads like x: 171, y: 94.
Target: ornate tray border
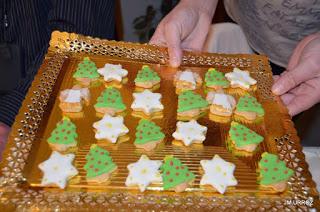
x: 15, y: 194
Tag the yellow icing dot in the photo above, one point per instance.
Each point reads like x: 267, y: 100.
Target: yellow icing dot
x: 56, y: 168
x: 108, y: 125
x: 218, y: 168
x: 224, y: 174
x: 144, y: 171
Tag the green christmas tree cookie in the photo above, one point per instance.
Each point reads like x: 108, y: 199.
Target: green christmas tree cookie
x: 215, y: 79
x: 273, y: 170
x: 64, y: 135
x: 148, y: 135
x: 249, y: 103
x: 86, y: 69
x: 110, y: 101
x: 174, y: 173
x: 188, y: 100
x: 98, y: 163
x: 146, y: 74
x: 243, y: 136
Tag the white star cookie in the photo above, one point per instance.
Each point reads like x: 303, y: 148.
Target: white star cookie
x: 112, y: 72
x: 227, y: 102
x: 75, y: 95
x: 144, y: 172
x: 147, y: 102
x: 190, y: 132
x: 57, y: 169
x: 218, y: 173
x: 239, y: 78
x: 110, y: 128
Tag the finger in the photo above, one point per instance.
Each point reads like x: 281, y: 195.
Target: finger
x: 158, y: 37
x: 287, y: 98
x: 275, y: 77
x: 303, y: 72
x: 172, y: 35
x: 298, y: 104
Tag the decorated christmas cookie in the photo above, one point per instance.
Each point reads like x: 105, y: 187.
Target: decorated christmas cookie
x: 72, y: 100
x: 111, y: 72
x: 110, y: 128
x: 221, y: 104
x: 244, y: 138
x: 64, y: 136
x: 86, y: 71
x: 240, y: 79
x: 57, y: 170
x: 147, y: 78
x: 147, y: 102
x: 249, y: 108
x: 190, y: 132
x: 175, y: 175
x: 99, y: 165
x: 215, y: 79
x: 110, y: 102
x: 218, y: 173
x: 187, y: 80
x: 144, y: 172
x: 273, y: 172
x: 191, y: 104
x: 148, y: 135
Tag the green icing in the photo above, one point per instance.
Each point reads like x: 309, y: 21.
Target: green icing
x: 148, y: 131
x: 249, y: 103
x: 243, y: 136
x: 147, y: 74
x: 175, y: 173
x: 86, y: 69
x: 188, y: 100
x: 98, y: 162
x: 273, y: 170
x: 110, y: 98
x: 64, y: 133
x: 214, y: 77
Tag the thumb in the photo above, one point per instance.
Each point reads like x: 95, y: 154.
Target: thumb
x: 173, y: 39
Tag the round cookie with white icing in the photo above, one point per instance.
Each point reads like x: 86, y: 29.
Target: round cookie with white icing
x: 218, y: 173
x: 147, y: 102
x: 190, y: 132
x: 57, y: 170
x: 143, y: 173
x: 187, y: 80
x: 86, y: 72
x: 72, y: 100
x: 110, y: 102
x: 112, y: 72
x: 221, y: 104
x: 240, y: 79
x: 147, y: 78
x: 110, y: 128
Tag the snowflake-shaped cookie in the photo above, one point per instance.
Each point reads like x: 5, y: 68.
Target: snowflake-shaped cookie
x: 218, y: 173
x: 75, y: 95
x: 110, y: 128
x: 147, y: 102
x: 190, y: 132
x: 112, y: 72
x: 144, y: 172
x: 58, y: 169
x: 239, y: 78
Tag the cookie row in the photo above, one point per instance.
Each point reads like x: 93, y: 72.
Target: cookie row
x: 172, y: 173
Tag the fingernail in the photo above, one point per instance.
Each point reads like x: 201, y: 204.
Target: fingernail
x: 276, y: 89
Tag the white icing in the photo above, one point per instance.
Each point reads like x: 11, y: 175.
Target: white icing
x: 143, y: 172
x: 228, y: 102
x: 110, y: 128
x: 57, y: 169
x: 112, y: 72
x: 190, y: 131
x: 147, y: 101
x: 187, y: 76
x: 240, y: 78
x: 75, y: 95
x: 218, y: 173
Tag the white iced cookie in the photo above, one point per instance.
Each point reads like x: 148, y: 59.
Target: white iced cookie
x: 75, y: 95
x: 110, y: 128
x: 239, y: 78
x: 58, y: 169
x: 111, y: 72
x: 221, y: 103
x: 187, y: 79
x: 144, y: 172
x: 218, y: 173
x: 147, y: 102
x: 190, y: 132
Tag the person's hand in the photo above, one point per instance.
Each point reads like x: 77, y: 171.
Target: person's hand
x: 185, y: 27
x: 299, y: 85
x: 4, y: 132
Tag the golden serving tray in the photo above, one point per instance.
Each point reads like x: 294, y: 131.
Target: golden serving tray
x: 27, y: 145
